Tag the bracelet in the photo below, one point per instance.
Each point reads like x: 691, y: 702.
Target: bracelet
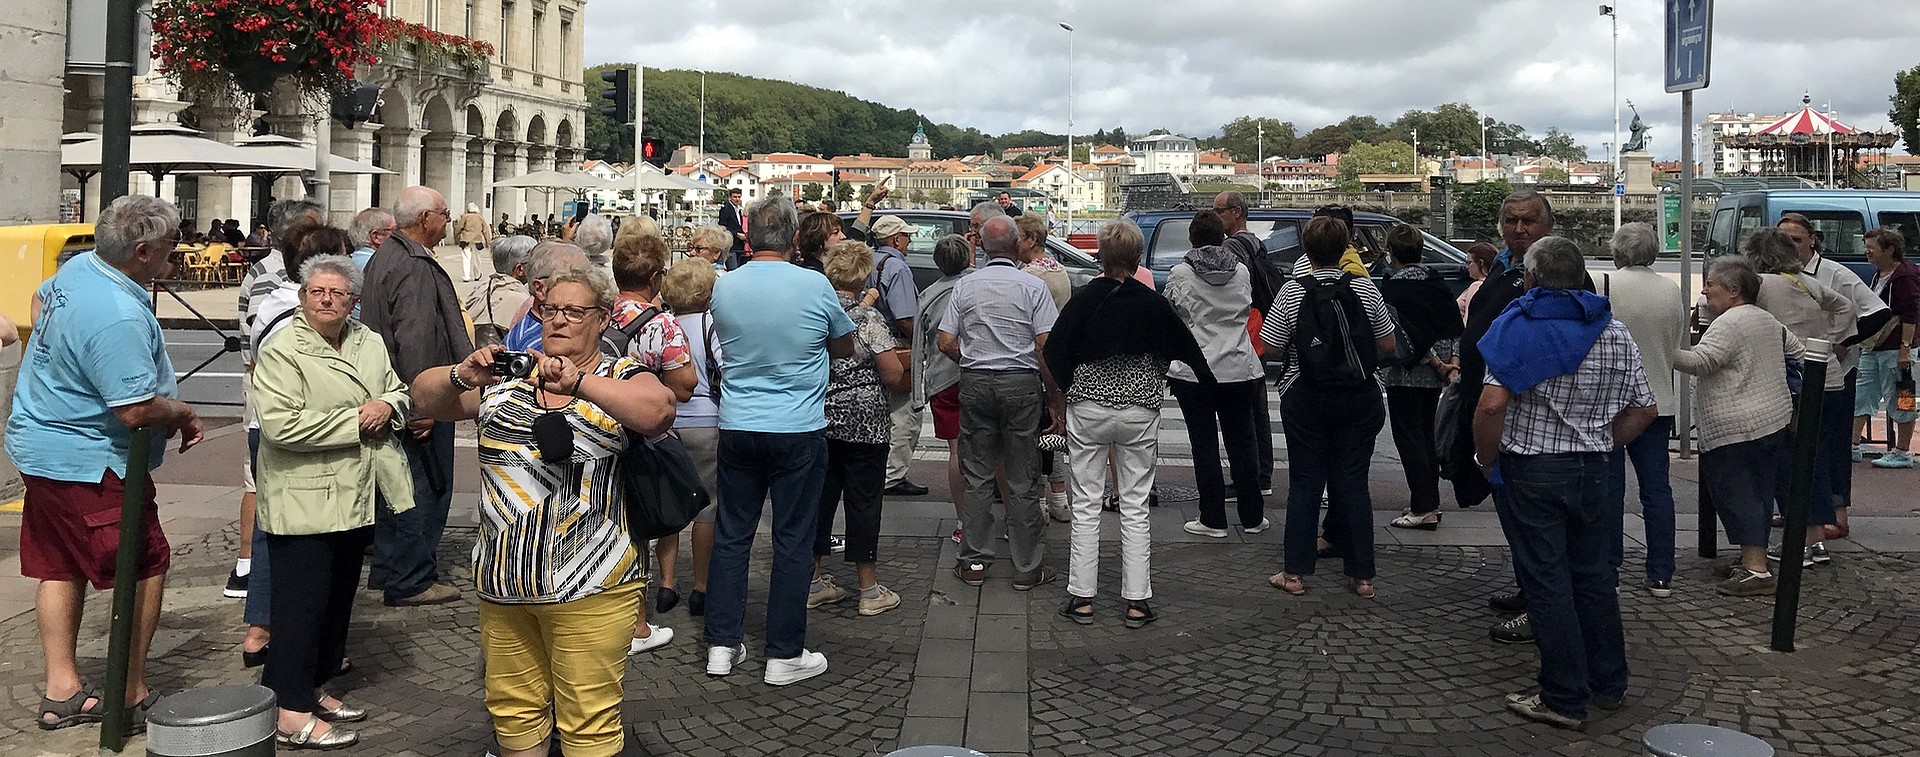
x: 453, y: 375
x: 575, y: 391
x: 869, y: 206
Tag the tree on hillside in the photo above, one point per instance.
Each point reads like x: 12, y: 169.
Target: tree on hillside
x: 1394, y: 157
x: 1115, y: 136
x: 1453, y: 127
x: 1023, y: 159
x: 1476, y: 208
x: 1369, y: 129
x: 1242, y: 138
x: 1559, y: 145
x: 1905, y: 113
x: 1319, y: 142
x: 1509, y: 139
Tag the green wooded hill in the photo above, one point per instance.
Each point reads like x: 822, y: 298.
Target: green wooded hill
x: 748, y: 115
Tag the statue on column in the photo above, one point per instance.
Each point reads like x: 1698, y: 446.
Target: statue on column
x: 1638, y: 129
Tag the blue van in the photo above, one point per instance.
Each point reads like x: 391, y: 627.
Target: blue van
x: 1842, y: 218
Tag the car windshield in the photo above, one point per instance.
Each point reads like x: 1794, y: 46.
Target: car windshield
x: 1170, y: 243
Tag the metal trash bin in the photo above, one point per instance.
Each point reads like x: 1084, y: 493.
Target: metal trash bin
x: 1695, y: 740
x: 220, y: 721
x: 932, y: 750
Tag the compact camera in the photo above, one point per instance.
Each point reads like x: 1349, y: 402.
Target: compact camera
x: 512, y: 365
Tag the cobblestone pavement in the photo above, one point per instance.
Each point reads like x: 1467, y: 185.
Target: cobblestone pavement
x: 1232, y: 667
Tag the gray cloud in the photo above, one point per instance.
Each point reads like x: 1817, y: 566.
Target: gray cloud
x: 1001, y: 65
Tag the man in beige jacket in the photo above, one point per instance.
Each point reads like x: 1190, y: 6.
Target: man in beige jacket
x: 470, y: 233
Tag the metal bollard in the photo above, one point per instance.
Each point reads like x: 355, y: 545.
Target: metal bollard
x: 1793, y: 512
x: 1695, y: 740
x: 931, y: 750
x: 221, y: 721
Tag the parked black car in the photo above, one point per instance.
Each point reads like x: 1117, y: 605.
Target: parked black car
x: 930, y: 225
x: 1166, y: 232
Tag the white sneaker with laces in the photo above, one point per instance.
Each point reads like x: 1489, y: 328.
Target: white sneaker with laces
x: 1201, y: 529
x: 1894, y: 459
x: 795, y: 670
x: 657, y: 637
x: 1264, y: 525
x: 720, y: 660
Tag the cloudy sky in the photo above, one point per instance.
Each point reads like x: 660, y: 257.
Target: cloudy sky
x: 1001, y: 65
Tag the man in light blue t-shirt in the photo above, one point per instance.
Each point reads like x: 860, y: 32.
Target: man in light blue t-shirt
x: 95, y: 370
x: 778, y: 323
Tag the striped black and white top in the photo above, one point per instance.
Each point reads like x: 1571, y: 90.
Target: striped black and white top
x: 1284, y: 319
x: 551, y: 532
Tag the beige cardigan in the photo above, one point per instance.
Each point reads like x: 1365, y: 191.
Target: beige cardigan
x: 1742, y: 394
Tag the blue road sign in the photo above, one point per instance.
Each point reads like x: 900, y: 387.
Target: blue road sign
x: 1620, y: 190
x: 1689, y: 42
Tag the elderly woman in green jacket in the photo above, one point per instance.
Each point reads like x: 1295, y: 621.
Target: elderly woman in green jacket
x: 329, y: 404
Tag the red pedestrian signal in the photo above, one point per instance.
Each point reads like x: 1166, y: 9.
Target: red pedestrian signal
x: 654, y: 150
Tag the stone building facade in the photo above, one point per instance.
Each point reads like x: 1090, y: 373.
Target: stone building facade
x: 437, y: 125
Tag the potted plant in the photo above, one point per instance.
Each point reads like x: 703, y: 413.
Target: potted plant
x: 227, y: 49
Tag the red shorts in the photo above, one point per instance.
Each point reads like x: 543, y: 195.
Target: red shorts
x: 946, y: 413
x: 71, y: 531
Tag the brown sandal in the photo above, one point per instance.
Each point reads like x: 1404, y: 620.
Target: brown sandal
x: 1362, y: 587
x: 1287, y: 582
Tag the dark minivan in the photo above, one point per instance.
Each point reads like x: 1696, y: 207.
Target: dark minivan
x: 1842, y: 218
x: 1166, y: 232
x: 930, y: 225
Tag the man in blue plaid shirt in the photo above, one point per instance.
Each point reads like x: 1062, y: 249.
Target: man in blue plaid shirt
x: 1565, y: 389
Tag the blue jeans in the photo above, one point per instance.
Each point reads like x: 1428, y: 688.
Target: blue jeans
x: 1561, y: 514
x: 1649, y: 454
x: 753, y: 465
x: 404, y: 543
x: 1329, y: 448
x: 260, y: 579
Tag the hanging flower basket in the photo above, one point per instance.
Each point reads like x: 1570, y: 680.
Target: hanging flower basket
x: 231, y: 48
x: 432, y: 48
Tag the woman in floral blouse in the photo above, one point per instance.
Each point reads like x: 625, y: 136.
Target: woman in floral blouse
x: 858, y: 431
x: 654, y: 340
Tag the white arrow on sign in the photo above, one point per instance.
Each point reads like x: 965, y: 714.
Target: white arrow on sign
x: 1676, y: 38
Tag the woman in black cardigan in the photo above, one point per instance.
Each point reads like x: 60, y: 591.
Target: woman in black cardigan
x: 1109, y: 350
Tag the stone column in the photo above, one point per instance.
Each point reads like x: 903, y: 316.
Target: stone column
x: 355, y: 143
x: 479, y: 184
x: 400, y: 148
x: 443, y: 166
x: 34, y: 33
x: 509, y: 160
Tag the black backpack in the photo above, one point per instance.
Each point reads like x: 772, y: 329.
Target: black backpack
x: 1333, y: 337
x: 615, y: 339
x: 1265, y: 276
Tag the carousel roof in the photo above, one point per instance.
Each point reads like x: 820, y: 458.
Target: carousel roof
x: 1807, y: 121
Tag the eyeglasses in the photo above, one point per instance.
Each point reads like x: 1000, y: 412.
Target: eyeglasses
x: 570, y: 313
x: 698, y: 248
x: 329, y: 294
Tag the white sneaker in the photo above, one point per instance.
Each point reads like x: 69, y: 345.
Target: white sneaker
x: 1264, y: 525
x: 1057, y: 507
x: 783, y: 672
x: 657, y: 637
x: 1197, y: 528
x: 720, y: 660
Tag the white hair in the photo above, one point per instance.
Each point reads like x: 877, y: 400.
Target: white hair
x: 594, y: 235
x: 1634, y: 244
x: 131, y: 221
x: 365, y: 223
x: 339, y: 265
x: 414, y: 204
x: 511, y: 251
x: 594, y: 278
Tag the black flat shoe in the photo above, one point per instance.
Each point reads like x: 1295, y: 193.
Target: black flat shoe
x: 253, y: 659
x: 1078, y: 609
x: 696, y: 603
x: 665, y: 599
x: 1146, y: 614
x: 905, y: 488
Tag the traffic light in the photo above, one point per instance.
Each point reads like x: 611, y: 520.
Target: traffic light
x: 836, y: 176
x: 356, y: 104
x: 619, y: 96
x: 654, y: 150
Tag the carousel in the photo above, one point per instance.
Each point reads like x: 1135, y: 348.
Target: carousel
x: 1813, y: 146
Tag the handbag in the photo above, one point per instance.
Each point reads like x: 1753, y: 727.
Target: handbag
x: 1446, y: 426
x: 662, y: 488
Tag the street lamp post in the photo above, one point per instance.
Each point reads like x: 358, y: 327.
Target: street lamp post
x: 1073, y: 175
x: 1608, y: 11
